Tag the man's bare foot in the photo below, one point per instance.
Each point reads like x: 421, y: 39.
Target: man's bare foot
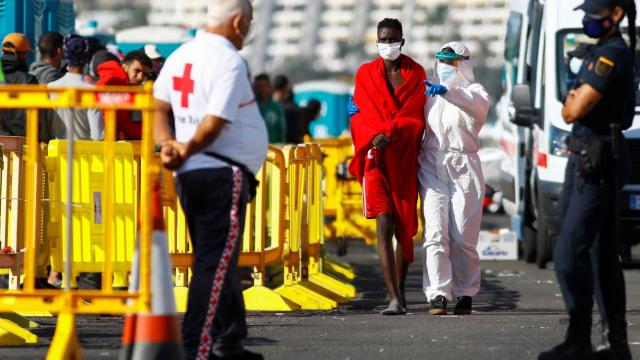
x: 394, y: 308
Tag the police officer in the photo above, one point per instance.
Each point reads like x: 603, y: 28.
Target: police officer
x: 586, y: 256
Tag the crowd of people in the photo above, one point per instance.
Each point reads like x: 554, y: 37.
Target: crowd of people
x: 286, y: 121
x: 74, y: 61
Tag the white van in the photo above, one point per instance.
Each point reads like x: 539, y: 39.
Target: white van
x: 541, y: 38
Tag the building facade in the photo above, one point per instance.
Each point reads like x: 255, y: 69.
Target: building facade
x: 338, y: 35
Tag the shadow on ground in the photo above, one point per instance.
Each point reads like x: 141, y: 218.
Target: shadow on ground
x: 493, y: 296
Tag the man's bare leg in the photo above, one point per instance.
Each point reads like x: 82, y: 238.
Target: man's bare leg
x: 402, y: 267
x: 384, y: 227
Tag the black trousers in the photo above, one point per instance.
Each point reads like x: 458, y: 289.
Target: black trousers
x: 214, y: 202
x: 586, y: 256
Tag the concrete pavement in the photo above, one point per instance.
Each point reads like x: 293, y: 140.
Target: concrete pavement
x: 518, y: 313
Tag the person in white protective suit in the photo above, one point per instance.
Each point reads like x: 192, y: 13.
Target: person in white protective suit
x: 451, y: 182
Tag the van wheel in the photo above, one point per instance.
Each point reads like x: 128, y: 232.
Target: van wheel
x: 544, y: 245
x: 529, y: 244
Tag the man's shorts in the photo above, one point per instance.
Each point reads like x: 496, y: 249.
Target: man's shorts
x: 376, y: 196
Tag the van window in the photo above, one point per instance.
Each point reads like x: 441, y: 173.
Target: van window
x: 512, y: 39
x: 533, y: 42
x: 512, y: 47
x: 572, y: 47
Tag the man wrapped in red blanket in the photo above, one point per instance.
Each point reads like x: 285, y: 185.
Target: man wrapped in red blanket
x: 387, y: 126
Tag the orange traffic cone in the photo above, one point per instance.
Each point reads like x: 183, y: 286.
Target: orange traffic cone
x: 154, y: 335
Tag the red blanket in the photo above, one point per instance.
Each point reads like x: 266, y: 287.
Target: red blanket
x: 400, y: 116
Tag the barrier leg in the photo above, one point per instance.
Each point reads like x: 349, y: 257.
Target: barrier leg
x: 338, y: 267
x: 294, y: 290
x: 261, y: 298
x: 65, y: 344
x: 308, y: 299
x: 181, y: 288
x: 181, y: 294
x: 13, y: 330
x: 333, y: 285
x: 324, y: 292
x: 19, y: 319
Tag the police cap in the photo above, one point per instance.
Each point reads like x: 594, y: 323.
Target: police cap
x: 596, y: 6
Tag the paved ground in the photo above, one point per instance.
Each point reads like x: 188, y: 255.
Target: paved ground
x: 518, y: 313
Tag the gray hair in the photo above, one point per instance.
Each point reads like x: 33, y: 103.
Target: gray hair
x: 220, y: 11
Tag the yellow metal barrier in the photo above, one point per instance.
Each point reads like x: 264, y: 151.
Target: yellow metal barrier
x: 296, y: 285
x: 335, y: 151
x: 12, y: 209
x: 263, y: 241
x: 70, y: 302
x: 89, y: 171
x: 11, y: 204
x: 265, y: 232
x: 344, y: 196
x: 335, y: 289
x: 283, y: 223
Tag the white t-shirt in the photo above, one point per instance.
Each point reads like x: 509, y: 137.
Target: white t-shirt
x: 207, y: 76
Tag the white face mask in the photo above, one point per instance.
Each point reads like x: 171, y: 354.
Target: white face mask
x: 446, y: 72
x: 389, y: 52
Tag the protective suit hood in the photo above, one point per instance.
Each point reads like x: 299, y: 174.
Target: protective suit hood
x: 464, y: 75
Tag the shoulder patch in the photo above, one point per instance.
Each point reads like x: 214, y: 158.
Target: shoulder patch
x: 603, y: 66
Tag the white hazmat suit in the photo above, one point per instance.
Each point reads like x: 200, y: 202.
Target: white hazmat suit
x: 452, y: 185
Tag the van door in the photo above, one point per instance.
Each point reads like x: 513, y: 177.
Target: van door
x: 516, y: 32
x: 523, y: 218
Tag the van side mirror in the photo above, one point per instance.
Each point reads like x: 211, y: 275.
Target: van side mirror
x: 525, y: 114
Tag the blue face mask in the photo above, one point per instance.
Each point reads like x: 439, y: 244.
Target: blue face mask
x: 593, y: 26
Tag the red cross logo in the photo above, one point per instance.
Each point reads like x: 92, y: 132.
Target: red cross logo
x: 184, y: 85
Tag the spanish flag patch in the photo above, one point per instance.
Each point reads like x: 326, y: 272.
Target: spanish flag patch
x: 603, y: 66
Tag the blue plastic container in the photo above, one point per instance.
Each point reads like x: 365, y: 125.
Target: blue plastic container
x: 334, y: 96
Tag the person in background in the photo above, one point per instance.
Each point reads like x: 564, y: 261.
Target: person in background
x: 15, y: 48
x: 309, y: 113
x: 101, y: 57
x: 283, y: 94
x: 48, y: 68
x: 95, y: 45
x: 156, y: 61
x: 221, y: 142
x: 137, y: 65
x: 271, y: 111
x: 107, y: 71
x: 87, y: 123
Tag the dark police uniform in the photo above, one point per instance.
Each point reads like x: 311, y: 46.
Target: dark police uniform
x: 586, y: 256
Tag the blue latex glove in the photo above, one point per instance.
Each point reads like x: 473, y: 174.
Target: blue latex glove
x: 352, y: 108
x: 435, y: 89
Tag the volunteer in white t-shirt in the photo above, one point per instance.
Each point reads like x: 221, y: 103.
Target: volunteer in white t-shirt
x: 220, y: 143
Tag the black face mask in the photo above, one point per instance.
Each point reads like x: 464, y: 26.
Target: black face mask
x: 594, y: 27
